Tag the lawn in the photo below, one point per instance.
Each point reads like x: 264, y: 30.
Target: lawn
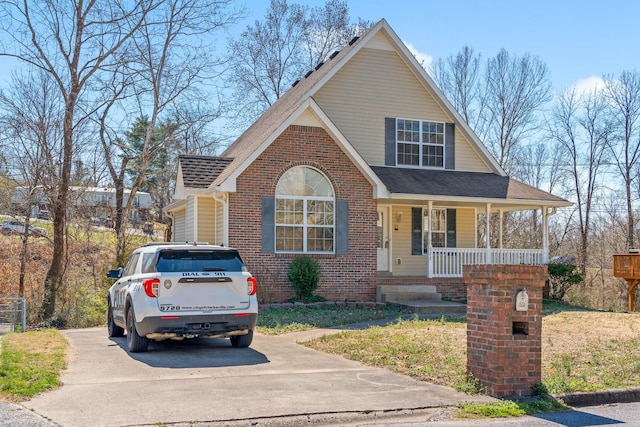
x: 582, y: 350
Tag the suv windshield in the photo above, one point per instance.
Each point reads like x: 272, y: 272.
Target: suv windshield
x: 174, y: 261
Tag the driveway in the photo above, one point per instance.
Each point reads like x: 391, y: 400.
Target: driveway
x: 202, y: 382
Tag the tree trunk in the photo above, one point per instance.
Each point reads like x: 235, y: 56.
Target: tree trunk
x: 54, y: 276
x: 631, y: 221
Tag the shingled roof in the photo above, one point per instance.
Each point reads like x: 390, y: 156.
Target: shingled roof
x: 459, y: 184
x: 201, y: 171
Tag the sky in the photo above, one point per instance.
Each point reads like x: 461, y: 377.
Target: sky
x: 580, y: 41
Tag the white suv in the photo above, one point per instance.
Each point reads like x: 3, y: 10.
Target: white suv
x: 177, y: 291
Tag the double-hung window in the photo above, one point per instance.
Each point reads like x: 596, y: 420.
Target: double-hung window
x: 420, y: 143
x: 304, y: 212
x: 438, y: 224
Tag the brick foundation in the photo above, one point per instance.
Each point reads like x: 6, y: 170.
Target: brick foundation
x: 504, y: 346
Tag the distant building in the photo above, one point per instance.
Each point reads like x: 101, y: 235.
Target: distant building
x: 97, y: 202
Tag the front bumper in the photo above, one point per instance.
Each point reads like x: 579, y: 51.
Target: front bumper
x: 168, y: 326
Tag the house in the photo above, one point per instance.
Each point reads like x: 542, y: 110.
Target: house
x: 86, y: 201
x: 366, y: 167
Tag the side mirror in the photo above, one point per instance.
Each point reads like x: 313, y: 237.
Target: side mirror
x: 114, y: 274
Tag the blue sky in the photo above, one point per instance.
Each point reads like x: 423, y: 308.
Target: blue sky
x: 578, y: 40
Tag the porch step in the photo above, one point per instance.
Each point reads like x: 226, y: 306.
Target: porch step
x: 433, y: 308
x: 420, y: 299
x: 400, y: 293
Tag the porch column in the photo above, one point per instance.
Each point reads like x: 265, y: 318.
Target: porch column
x: 429, y: 251
x: 545, y: 236
x: 501, y: 216
x: 487, y: 239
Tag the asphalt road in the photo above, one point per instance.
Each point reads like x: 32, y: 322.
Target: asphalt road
x: 275, y: 382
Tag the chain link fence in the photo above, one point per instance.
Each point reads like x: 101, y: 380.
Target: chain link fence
x: 13, y: 315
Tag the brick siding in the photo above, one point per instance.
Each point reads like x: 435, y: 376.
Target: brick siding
x: 348, y: 277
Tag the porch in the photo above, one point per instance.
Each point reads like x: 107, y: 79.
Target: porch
x: 448, y: 262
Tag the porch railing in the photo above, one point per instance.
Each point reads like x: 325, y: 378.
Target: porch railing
x: 448, y: 262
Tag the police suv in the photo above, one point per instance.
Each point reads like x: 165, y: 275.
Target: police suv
x: 182, y: 290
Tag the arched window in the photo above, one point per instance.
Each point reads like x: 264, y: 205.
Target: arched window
x: 304, y: 212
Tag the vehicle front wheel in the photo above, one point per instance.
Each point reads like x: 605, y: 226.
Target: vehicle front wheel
x: 113, y: 329
x: 135, y: 342
x: 242, y: 341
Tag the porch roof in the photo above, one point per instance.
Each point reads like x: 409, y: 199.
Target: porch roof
x: 460, y: 184
x: 201, y: 171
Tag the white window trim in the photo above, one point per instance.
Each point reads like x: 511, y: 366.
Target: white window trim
x: 304, y: 224
x: 425, y: 232
x: 421, y: 144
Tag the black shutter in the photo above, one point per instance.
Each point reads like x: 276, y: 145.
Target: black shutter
x: 416, y: 231
x: 268, y: 225
x: 449, y: 146
x: 342, y: 226
x: 451, y: 228
x: 390, y: 141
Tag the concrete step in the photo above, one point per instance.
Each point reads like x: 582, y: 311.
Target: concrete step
x: 411, y: 296
x: 433, y: 308
x: 399, y: 293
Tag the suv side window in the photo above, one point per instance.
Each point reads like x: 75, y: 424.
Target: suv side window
x: 130, y: 268
x: 148, y: 262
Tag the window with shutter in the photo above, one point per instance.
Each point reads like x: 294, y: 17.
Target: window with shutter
x: 304, y: 212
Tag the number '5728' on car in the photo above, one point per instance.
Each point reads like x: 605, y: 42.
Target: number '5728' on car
x: 182, y: 290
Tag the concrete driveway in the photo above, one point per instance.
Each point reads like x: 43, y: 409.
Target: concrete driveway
x: 207, y: 382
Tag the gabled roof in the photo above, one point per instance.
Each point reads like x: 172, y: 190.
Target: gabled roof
x: 462, y: 185
x: 201, y: 171
x: 262, y: 132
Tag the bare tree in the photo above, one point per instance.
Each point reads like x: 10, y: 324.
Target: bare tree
x: 168, y: 61
x: 72, y: 41
x: 31, y: 123
x: 581, y: 128
x: 623, y: 95
x: 516, y: 88
x: 501, y: 103
x: 271, y: 54
x: 458, y: 76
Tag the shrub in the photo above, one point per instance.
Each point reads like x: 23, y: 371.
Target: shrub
x: 561, y: 278
x: 304, y: 275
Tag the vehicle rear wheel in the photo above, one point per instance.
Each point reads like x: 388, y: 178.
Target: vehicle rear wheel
x: 113, y: 329
x: 242, y: 341
x: 135, y: 342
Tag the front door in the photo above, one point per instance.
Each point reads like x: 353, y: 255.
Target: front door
x: 383, y: 239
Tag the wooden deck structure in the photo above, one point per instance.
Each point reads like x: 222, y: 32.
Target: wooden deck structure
x: 627, y: 267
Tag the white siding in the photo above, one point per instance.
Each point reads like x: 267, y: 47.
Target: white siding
x: 190, y: 225
x: 376, y: 84
x: 206, y: 220
x: 219, y: 225
x: 179, y: 221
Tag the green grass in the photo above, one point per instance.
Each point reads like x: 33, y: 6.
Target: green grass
x: 509, y: 408
x: 30, y: 362
x: 277, y: 321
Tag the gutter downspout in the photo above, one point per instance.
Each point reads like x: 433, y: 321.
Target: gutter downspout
x: 224, y: 200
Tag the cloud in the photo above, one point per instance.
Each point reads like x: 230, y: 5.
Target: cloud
x: 422, y: 58
x: 588, y: 85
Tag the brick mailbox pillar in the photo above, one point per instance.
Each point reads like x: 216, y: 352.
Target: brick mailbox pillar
x: 504, y: 324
